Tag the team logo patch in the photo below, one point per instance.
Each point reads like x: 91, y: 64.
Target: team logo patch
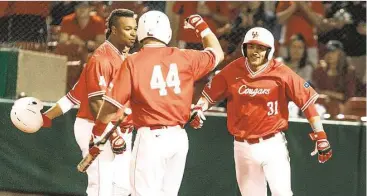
x: 306, y: 85
x: 255, y: 34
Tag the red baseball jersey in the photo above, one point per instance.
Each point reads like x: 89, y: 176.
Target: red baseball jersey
x: 158, y: 81
x: 257, y: 102
x: 95, y: 77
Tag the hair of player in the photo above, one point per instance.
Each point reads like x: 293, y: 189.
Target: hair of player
x: 115, y: 14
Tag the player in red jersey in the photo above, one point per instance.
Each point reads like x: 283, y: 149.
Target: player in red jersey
x: 159, y: 82
x: 109, y: 174
x: 258, y: 90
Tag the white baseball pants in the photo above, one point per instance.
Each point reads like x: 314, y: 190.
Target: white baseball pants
x: 158, y: 161
x: 108, y: 175
x: 266, y: 161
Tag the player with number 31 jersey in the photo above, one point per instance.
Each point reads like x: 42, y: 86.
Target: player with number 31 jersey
x: 258, y: 89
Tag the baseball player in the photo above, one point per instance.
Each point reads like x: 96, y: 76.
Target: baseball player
x: 109, y: 174
x: 158, y: 80
x: 258, y: 90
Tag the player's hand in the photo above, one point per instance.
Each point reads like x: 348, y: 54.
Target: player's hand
x: 322, y: 147
x: 197, y: 117
x: 118, y: 143
x: 197, y: 23
x: 47, y: 122
x: 97, y: 131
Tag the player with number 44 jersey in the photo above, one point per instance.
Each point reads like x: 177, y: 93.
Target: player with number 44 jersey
x: 159, y: 82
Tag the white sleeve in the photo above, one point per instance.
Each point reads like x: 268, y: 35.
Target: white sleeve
x: 65, y: 104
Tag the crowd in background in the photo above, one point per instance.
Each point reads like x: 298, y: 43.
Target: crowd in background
x: 324, y: 42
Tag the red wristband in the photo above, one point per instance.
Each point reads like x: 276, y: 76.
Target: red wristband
x: 318, y: 135
x: 98, y: 128
x: 201, y: 27
x: 47, y: 122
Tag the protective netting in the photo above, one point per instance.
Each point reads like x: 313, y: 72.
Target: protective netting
x: 307, y: 34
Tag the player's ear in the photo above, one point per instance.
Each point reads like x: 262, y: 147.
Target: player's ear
x: 113, y: 30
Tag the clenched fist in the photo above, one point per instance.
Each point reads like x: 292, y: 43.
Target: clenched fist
x: 197, y: 23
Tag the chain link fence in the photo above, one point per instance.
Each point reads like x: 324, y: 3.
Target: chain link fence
x: 302, y: 30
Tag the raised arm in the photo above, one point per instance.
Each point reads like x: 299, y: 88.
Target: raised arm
x: 285, y: 14
x: 209, y: 39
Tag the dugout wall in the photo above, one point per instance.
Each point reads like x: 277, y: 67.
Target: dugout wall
x: 45, y: 162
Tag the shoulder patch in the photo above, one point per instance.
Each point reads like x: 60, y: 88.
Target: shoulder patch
x: 306, y: 85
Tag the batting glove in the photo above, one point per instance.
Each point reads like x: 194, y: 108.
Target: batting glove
x: 197, y: 117
x: 197, y: 23
x: 118, y: 143
x: 98, y: 129
x: 47, y: 122
x: 322, y: 147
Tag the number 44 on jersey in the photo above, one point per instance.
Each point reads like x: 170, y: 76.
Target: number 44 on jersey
x: 172, y: 80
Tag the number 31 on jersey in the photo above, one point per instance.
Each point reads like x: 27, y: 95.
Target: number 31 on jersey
x: 172, y: 80
x: 273, y: 108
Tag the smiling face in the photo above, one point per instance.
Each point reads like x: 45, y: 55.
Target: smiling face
x: 256, y: 54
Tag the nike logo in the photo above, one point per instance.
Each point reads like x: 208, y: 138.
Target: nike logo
x: 238, y: 78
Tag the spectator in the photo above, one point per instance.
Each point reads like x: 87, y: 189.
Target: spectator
x: 82, y: 29
x: 250, y: 14
x: 297, y: 57
x: 224, y: 32
x: 294, y: 18
x: 352, y: 35
x: 81, y: 33
x: 61, y: 9
x: 58, y: 11
x: 334, y: 77
x: 215, y: 13
x: 101, y: 8
x: 24, y: 21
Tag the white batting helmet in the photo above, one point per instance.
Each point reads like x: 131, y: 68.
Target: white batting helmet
x: 26, y: 114
x: 261, y: 36
x: 154, y: 24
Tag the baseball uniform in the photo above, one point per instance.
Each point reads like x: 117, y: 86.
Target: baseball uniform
x: 109, y: 173
x: 257, y: 113
x: 158, y: 81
